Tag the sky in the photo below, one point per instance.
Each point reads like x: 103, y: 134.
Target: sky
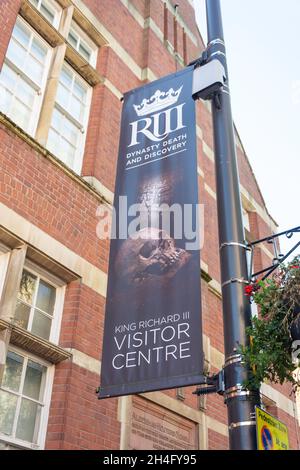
x: 262, y: 42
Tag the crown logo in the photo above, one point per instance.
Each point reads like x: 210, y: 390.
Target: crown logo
x: 158, y: 101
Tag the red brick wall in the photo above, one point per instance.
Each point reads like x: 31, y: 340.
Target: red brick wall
x: 77, y: 419
x: 217, y: 441
x: 8, y: 14
x: 293, y: 428
x: 46, y: 196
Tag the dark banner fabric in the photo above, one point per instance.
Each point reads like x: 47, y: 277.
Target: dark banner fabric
x: 152, y: 335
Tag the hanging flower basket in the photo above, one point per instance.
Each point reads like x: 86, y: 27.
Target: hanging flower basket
x: 270, y: 354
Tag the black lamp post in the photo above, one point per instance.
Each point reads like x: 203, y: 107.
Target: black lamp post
x: 236, y: 308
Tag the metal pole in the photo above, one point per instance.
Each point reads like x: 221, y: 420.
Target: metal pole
x: 236, y: 307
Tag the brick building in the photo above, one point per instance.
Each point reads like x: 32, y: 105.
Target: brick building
x: 64, y: 67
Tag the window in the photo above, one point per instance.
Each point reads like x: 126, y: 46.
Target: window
x: 23, y: 76
x: 39, y: 305
x: 82, y: 44
x: 27, y: 84
x: 24, y: 392
x: 49, y: 9
x: 69, y: 120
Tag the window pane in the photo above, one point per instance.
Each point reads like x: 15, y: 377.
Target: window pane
x: 20, y: 113
x: 27, y: 287
x: 21, y: 316
x: 28, y: 421
x: 67, y: 152
x: 76, y: 108
x: 8, y: 80
x: 8, y: 403
x: 35, y: 2
x: 62, y: 96
x: 16, y: 53
x: 12, y: 372
x: 66, y: 77
x: 70, y: 132
x: 79, y: 91
x: 5, y: 99
x: 45, y: 10
x: 41, y: 325
x: 46, y: 297
x: 85, y: 52
x: 38, y: 51
x: 57, y: 120
x: 33, y: 380
x: 36, y: 69
x: 25, y: 93
x: 19, y: 108
x: 21, y: 34
x: 72, y: 38
x: 8, y: 77
x: 53, y: 141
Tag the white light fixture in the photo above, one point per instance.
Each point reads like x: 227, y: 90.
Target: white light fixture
x: 208, y: 79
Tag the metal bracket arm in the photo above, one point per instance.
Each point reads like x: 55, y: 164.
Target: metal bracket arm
x: 280, y: 258
x: 213, y: 384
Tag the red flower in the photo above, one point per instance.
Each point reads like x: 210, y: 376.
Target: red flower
x: 249, y: 290
x: 296, y: 266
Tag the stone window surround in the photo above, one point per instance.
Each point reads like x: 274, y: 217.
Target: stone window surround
x: 84, y: 40
x: 53, y: 6
x: 16, y: 255
x: 19, y: 256
x: 62, y: 51
x: 59, y: 286
x: 80, y: 123
x: 37, y: 86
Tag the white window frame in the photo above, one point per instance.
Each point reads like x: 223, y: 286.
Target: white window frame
x: 53, y: 6
x: 60, y: 288
x: 40, y: 90
x: 82, y: 127
x: 49, y: 377
x: 86, y: 40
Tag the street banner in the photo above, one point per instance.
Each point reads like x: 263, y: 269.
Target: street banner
x: 272, y: 434
x: 152, y: 334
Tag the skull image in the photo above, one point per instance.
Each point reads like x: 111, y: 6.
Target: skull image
x: 149, y: 257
